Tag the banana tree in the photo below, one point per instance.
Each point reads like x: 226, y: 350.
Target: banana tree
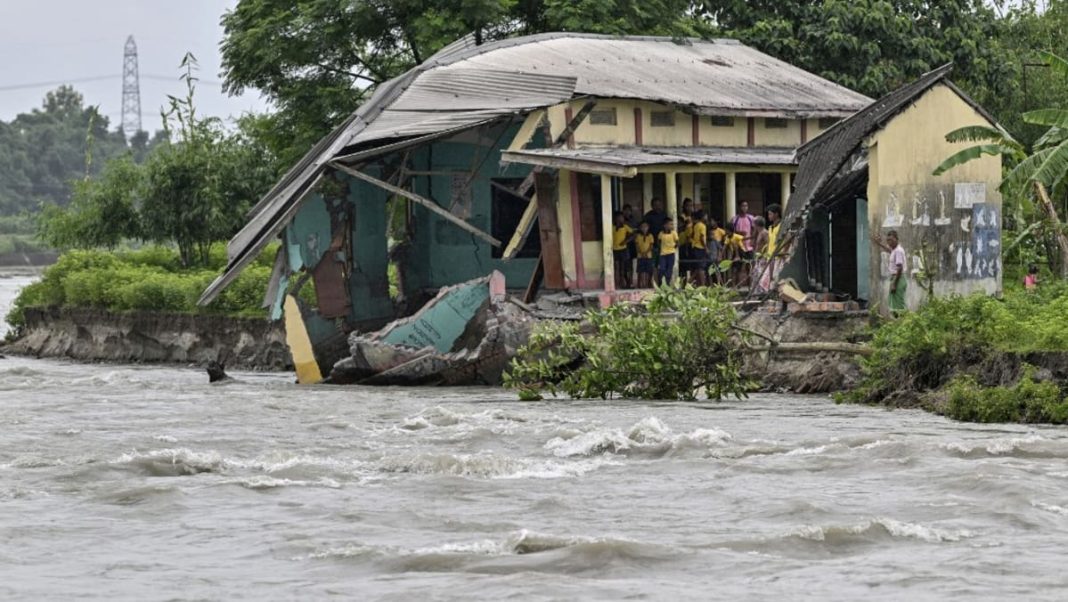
x: 1029, y: 173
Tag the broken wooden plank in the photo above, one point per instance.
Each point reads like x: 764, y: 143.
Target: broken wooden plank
x: 523, y: 229
x: 535, y: 280
x: 549, y: 231
x: 425, y: 202
x: 525, y: 223
x: 526, y: 131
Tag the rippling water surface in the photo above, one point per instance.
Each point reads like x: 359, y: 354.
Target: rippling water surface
x: 149, y: 483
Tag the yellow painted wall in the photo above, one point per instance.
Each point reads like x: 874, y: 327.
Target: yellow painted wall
x: 902, y: 157
x: 789, y: 136
x: 681, y: 134
x: 714, y: 135
x: 563, y: 217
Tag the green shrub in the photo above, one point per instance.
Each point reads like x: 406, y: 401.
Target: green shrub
x: 158, y: 256
x: 156, y: 292
x: 921, y: 351
x: 682, y: 345
x: 1027, y: 401
x: 149, y: 278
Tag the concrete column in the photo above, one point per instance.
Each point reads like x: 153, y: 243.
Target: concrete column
x: 785, y: 189
x: 731, y: 196
x: 606, y: 239
x: 672, y: 209
x: 647, y: 192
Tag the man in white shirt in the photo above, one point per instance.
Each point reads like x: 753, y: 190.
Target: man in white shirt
x: 896, y: 268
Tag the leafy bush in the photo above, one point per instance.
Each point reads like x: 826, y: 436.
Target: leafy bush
x: 1027, y: 401
x: 681, y: 344
x: 921, y: 351
x: 149, y: 279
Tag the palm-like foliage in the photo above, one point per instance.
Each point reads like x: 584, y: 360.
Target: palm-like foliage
x: 1044, y: 167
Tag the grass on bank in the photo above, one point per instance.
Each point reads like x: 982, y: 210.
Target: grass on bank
x: 969, y: 358
x: 149, y: 279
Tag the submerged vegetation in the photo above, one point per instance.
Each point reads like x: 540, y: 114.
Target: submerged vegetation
x: 682, y: 343
x: 974, y: 358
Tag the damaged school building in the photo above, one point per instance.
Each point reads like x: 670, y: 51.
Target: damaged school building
x: 497, y: 167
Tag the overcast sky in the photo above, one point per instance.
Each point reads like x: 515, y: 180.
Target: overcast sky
x: 55, y: 41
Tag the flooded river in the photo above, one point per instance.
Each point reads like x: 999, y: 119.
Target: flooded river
x: 148, y: 483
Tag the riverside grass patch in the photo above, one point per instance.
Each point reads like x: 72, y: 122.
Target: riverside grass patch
x: 147, y: 279
x: 967, y: 357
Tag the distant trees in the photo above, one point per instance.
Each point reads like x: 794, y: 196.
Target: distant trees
x: 192, y: 189
x: 43, y: 152
x: 318, y: 59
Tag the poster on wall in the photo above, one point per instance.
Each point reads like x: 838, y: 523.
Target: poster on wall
x: 967, y: 194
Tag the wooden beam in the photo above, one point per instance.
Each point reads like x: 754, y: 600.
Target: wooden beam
x: 519, y: 238
x: 526, y: 131
x: 523, y: 228
x: 425, y: 202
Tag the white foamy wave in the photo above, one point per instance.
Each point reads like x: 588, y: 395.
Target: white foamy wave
x: 485, y: 465
x: 266, y: 482
x: 649, y: 435
x: 174, y: 461
x: 494, y: 421
x: 1050, y: 508
x: 1029, y: 446
x: 878, y: 526
x: 166, y: 439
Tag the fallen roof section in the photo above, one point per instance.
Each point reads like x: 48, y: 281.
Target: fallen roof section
x: 834, y: 158
x: 624, y: 160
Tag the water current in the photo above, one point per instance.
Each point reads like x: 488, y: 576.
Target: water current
x: 145, y: 483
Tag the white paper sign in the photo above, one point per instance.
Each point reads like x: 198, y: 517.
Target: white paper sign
x: 966, y: 194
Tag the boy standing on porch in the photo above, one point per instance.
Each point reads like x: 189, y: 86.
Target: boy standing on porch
x: 669, y: 243
x: 896, y: 267
x: 644, y: 242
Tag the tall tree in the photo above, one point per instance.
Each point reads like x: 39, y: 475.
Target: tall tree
x: 318, y: 59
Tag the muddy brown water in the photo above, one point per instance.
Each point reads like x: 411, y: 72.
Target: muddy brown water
x: 144, y: 483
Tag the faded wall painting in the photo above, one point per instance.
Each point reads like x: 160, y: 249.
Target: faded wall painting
x: 951, y: 231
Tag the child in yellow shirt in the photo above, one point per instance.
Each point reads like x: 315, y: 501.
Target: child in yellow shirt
x: 699, y: 249
x: 669, y: 244
x: 622, y: 234
x: 643, y: 244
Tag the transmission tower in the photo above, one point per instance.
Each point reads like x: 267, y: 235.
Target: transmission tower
x: 131, y: 90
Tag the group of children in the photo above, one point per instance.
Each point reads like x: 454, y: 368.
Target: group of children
x: 707, y: 253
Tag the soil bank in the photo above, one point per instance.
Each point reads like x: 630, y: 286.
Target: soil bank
x: 152, y: 337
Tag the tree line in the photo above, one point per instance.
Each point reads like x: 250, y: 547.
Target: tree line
x: 318, y: 60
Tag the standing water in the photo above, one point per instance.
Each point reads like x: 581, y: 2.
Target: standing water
x: 140, y: 483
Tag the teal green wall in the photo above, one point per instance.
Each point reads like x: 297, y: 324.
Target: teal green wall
x: 369, y: 283
x: 440, y: 324
x: 443, y: 254
x: 308, y: 237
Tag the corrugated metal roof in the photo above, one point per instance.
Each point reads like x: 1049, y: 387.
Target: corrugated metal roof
x: 824, y: 156
x: 465, y: 85
x: 712, y: 76
x: 638, y: 156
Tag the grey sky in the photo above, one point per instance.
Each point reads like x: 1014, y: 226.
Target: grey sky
x: 63, y: 40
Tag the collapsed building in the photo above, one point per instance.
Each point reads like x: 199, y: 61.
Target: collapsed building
x: 509, y: 158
